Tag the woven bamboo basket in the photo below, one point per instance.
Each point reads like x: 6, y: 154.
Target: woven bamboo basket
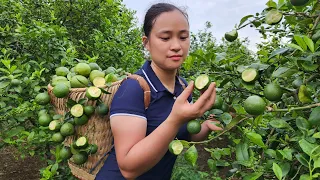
x: 97, y: 130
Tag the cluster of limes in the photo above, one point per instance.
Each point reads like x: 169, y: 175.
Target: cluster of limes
x: 83, y: 75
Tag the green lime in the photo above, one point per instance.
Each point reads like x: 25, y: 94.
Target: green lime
x: 96, y: 73
x: 42, y: 98
x: 273, y: 92
x: 55, y: 125
x: 57, y: 137
x: 81, y: 120
x: 110, y: 70
x: 61, y: 90
x: 76, y: 110
x: 82, y: 142
x: 254, y: 105
x: 99, y: 81
x: 93, y: 148
x: 44, y: 119
x: 194, y: 127
x: 249, y: 75
x: 102, y: 109
x: 42, y: 111
x: 175, y: 147
x: 65, y: 153
x: 94, y: 66
x: 231, y: 36
x: 79, y: 81
x: 80, y: 158
x: 88, y: 110
x: 93, y: 93
x: 82, y: 69
x: 218, y: 102
x: 202, y: 82
x: 62, y: 71
x: 273, y: 17
x: 67, y: 129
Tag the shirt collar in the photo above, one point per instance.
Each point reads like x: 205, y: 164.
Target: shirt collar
x: 153, y: 80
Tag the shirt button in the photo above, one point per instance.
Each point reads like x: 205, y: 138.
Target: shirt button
x: 174, y: 97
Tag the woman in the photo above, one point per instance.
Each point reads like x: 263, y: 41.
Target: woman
x: 141, y: 137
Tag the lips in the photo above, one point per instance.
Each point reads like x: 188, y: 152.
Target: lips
x: 175, y: 57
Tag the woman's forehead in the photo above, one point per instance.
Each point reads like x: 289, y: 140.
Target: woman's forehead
x: 169, y: 21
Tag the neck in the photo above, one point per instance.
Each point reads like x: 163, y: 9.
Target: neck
x: 167, y: 78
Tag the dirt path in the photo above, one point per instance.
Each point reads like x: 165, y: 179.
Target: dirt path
x: 21, y: 169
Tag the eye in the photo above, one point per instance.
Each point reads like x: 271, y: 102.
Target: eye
x: 164, y: 39
x: 184, y: 38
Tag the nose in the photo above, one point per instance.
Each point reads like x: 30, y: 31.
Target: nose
x: 175, y: 45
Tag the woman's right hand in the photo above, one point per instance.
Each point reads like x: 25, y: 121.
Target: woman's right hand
x: 183, y: 111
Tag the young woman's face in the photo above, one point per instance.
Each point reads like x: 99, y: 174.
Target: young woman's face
x: 169, y: 40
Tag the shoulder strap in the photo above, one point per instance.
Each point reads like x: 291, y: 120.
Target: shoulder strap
x: 145, y: 87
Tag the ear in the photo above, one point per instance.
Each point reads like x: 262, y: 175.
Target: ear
x: 145, y: 42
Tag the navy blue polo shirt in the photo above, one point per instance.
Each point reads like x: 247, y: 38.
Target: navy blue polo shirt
x: 129, y: 101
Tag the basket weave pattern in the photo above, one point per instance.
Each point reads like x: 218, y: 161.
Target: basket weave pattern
x: 97, y: 130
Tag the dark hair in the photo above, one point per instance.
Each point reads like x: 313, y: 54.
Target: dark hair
x: 154, y: 11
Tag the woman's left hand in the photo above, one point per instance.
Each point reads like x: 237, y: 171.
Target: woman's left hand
x: 213, y: 124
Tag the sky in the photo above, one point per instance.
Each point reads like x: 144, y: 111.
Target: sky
x: 223, y: 15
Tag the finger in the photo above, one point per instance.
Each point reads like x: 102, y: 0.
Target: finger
x: 211, y: 100
x: 204, y: 97
x: 215, y: 125
x: 186, y: 92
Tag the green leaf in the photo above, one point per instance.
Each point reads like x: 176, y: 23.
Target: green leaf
x: 309, y: 43
x: 278, y: 51
x: 300, y: 42
x: 226, y: 118
x: 191, y: 155
x: 302, y: 124
x: 15, y: 131
x: 57, y: 116
x: 307, y: 147
x: 285, y: 167
x: 292, y: 45
x: 244, y: 19
x: 316, y: 163
x: 253, y: 176
x: 255, y: 138
x: 304, y: 95
x: 30, y: 137
x: 212, y: 165
x: 286, y: 153
x: 302, y: 159
x: 316, y: 135
x: 242, y: 153
x: 309, y: 66
x: 54, y: 168
x: 271, y: 3
x: 279, y: 123
x: 277, y: 170
x: 82, y: 101
x: 305, y: 177
x: 4, y: 84
x: 314, y: 117
x: 280, y: 71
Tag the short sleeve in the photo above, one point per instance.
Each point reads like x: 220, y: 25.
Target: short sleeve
x: 128, y: 100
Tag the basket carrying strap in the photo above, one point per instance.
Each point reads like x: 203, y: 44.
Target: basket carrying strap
x: 145, y: 87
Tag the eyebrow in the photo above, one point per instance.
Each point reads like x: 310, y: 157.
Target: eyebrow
x: 168, y: 32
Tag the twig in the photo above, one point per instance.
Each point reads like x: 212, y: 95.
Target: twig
x: 269, y: 136
x: 270, y: 109
x: 296, y: 173
x: 314, y: 26
x: 206, y: 141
